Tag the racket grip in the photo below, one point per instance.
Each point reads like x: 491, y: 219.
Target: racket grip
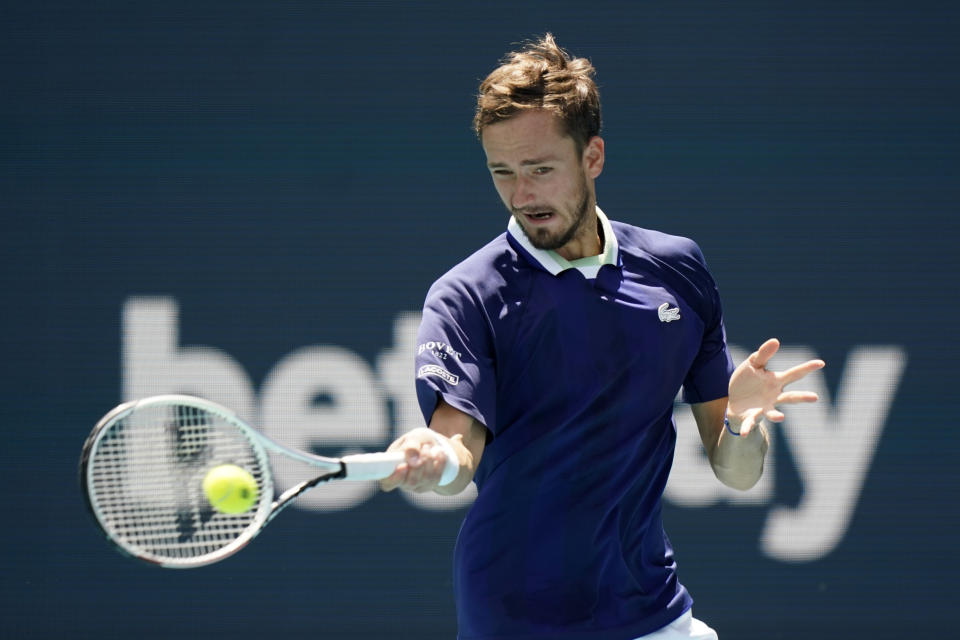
x: 372, y: 466
x: 375, y: 466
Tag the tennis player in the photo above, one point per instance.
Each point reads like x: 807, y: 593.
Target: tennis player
x: 549, y: 361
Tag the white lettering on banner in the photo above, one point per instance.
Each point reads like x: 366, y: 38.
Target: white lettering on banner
x: 692, y: 483
x: 832, y: 446
x: 354, y: 418
x: 153, y: 362
x: 328, y: 396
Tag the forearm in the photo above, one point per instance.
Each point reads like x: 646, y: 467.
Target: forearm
x: 737, y: 460
x: 466, y: 437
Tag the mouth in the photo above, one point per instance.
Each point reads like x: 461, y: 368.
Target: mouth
x: 538, y: 217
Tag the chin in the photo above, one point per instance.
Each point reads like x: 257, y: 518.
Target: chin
x: 542, y: 239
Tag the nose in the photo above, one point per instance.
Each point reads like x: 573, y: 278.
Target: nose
x: 523, y: 193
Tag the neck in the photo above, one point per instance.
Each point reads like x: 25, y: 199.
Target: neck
x: 589, y: 242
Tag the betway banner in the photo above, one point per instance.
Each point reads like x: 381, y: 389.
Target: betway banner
x: 248, y: 201
x: 833, y: 441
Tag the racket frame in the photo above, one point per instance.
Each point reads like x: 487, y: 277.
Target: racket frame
x: 362, y: 466
x: 359, y: 466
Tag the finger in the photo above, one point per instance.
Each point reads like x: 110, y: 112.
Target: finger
x: 414, y: 457
x: 407, y: 473
x: 396, y: 479
x: 795, y: 373
x: 433, y: 460
x: 773, y: 415
x: 423, y: 474
x: 793, y: 397
x: 761, y: 356
x: 415, y: 476
x: 750, y: 420
x: 422, y: 469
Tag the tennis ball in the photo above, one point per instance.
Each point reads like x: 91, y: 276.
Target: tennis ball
x: 230, y: 489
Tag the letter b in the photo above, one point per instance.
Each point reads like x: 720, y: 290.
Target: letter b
x: 154, y: 363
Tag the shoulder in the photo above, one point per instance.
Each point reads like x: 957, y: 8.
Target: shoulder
x: 483, y: 276
x: 648, y: 244
x: 675, y: 260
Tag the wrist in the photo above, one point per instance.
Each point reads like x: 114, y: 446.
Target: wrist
x: 732, y: 426
x: 734, y: 423
x: 452, y: 466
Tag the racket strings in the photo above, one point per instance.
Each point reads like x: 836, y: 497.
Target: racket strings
x: 146, y: 477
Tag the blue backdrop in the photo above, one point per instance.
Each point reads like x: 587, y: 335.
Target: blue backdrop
x: 253, y: 194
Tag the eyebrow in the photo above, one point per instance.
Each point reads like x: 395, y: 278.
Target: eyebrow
x: 523, y: 163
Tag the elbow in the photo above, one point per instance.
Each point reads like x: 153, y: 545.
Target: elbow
x: 742, y: 484
x: 740, y: 478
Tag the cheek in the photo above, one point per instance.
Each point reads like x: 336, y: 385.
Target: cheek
x: 577, y: 189
x: 560, y: 192
x: 504, y: 191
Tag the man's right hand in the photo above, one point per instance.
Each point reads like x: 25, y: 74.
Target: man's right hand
x: 424, y: 464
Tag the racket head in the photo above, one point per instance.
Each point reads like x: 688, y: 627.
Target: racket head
x: 141, y: 473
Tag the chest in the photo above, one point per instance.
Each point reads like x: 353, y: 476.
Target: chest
x: 632, y: 332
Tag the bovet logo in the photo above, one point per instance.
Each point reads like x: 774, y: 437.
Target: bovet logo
x: 439, y: 349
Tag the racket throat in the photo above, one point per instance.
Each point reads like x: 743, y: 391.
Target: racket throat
x: 291, y: 494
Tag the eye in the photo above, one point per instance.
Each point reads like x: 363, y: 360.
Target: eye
x: 542, y: 170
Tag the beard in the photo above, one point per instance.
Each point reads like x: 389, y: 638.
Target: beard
x: 549, y: 241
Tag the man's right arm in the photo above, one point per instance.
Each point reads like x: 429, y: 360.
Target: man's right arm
x: 425, y: 459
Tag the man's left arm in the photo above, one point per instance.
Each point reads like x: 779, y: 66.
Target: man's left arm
x: 736, y: 448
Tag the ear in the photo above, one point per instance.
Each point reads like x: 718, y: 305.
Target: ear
x: 592, y: 158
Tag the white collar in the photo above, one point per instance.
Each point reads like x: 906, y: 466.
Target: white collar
x: 555, y: 263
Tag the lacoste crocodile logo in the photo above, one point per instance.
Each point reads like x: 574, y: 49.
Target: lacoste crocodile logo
x: 666, y: 314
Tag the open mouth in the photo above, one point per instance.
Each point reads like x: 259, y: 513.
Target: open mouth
x: 539, y: 216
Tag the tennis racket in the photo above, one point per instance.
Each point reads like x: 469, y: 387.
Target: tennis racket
x: 142, y: 470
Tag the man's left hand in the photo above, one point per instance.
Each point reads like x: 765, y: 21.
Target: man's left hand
x: 754, y: 391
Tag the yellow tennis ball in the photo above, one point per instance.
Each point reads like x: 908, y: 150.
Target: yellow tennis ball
x: 230, y: 489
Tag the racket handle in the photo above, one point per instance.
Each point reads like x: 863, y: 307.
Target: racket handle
x: 372, y: 466
x: 375, y: 466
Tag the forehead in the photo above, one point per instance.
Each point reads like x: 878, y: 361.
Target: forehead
x: 528, y: 135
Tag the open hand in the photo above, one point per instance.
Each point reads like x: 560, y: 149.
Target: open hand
x: 754, y: 391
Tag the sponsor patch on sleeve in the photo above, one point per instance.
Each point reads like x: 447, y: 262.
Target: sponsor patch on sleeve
x: 438, y: 372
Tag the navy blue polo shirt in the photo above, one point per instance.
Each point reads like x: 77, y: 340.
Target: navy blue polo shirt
x: 573, y: 368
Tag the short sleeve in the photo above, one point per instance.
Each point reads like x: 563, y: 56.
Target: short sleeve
x: 454, y: 356
x: 709, y: 374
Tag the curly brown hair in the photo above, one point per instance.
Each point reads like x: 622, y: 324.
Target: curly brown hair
x: 542, y: 76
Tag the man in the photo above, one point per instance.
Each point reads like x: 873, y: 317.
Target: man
x: 548, y: 365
